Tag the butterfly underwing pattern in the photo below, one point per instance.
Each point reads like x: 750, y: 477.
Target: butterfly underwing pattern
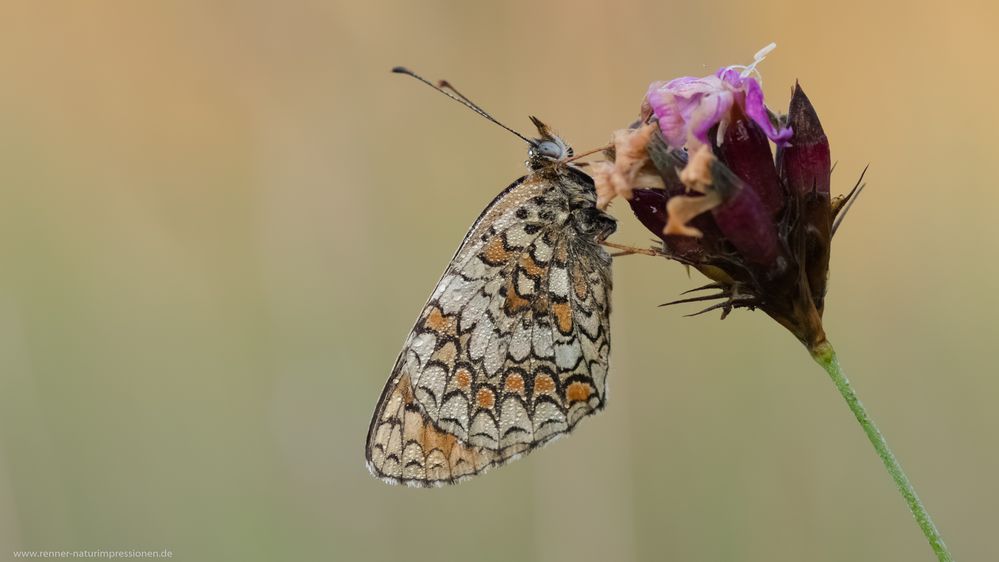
x: 512, y: 348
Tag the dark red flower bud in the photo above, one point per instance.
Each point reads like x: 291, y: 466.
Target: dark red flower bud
x: 805, y: 162
x: 806, y: 166
x: 743, y: 218
x: 745, y: 149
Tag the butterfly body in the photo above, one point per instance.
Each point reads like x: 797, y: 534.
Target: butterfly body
x: 511, y: 349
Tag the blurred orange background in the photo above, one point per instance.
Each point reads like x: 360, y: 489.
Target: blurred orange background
x: 219, y: 220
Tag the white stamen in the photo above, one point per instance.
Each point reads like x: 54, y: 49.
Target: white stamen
x: 757, y: 59
x: 722, y: 127
x: 762, y: 53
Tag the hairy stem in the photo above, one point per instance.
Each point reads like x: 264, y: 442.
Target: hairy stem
x: 825, y: 355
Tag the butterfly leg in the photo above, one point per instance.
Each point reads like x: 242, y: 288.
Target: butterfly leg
x: 631, y: 250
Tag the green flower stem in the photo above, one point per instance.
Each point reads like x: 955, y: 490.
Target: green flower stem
x: 825, y: 355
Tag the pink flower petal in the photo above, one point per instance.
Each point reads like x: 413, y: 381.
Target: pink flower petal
x: 688, y: 107
x: 757, y: 111
x: 671, y: 122
x: 712, y: 109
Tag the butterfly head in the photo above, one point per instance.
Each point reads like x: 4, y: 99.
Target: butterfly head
x: 547, y: 149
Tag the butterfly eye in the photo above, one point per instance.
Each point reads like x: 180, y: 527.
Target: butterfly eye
x: 550, y: 149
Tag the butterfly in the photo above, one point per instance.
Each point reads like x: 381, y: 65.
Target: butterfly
x: 512, y: 348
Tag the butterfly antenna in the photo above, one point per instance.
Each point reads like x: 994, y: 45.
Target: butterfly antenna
x: 445, y: 85
x: 448, y: 90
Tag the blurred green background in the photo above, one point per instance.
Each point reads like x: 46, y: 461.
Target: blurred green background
x: 218, y: 222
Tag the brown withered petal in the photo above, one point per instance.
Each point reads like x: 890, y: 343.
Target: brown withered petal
x: 696, y: 176
x: 629, y: 159
x: 682, y: 209
x: 601, y: 173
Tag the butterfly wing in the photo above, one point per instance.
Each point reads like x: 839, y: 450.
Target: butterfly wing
x: 510, y: 351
